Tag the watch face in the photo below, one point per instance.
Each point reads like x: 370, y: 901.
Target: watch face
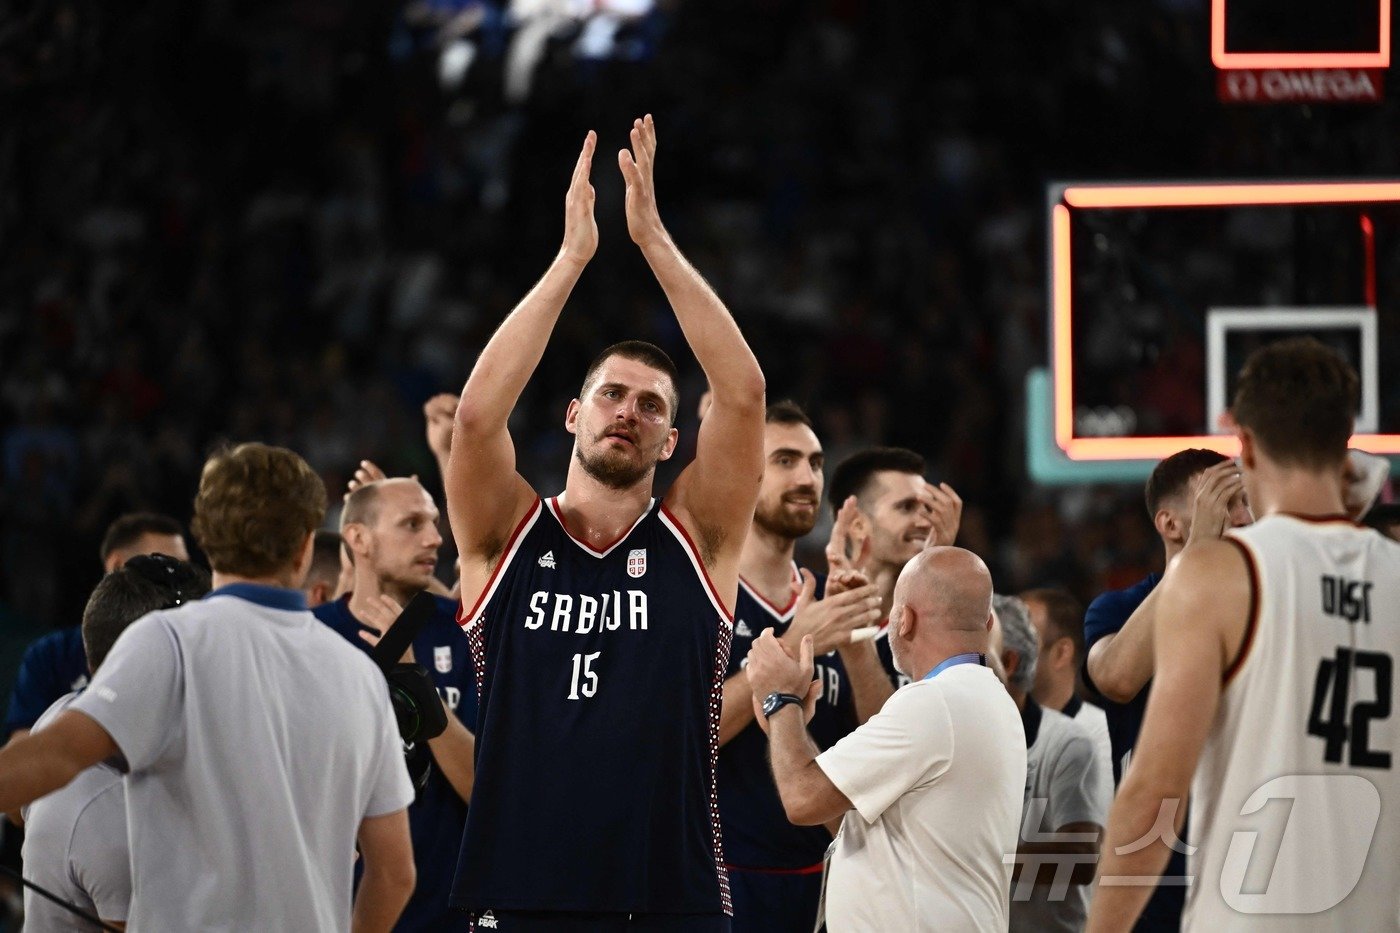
x: 772, y: 703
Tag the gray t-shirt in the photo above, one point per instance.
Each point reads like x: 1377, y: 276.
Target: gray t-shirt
x: 75, y: 847
x: 256, y: 741
x: 1065, y: 783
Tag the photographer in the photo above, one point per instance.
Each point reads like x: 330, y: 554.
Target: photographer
x: 75, y: 845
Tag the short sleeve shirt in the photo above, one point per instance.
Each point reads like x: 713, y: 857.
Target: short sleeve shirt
x: 75, y: 846
x: 256, y: 741
x: 936, y: 779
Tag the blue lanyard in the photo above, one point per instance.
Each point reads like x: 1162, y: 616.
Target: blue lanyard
x: 969, y: 658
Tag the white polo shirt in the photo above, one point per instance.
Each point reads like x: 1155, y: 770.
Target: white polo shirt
x: 937, y: 778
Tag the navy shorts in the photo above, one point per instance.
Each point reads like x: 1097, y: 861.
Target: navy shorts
x: 774, y: 902
x: 558, y: 921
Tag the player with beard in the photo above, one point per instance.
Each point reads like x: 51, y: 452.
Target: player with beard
x: 600, y: 620
x: 887, y: 514
x: 775, y: 868
x: 390, y: 531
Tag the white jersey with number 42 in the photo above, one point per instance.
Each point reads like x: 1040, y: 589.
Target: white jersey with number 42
x: 1295, y: 808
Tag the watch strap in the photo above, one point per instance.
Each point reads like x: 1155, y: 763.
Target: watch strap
x: 776, y: 701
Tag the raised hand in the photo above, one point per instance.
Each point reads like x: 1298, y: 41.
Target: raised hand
x: 439, y: 412
x: 849, y: 547
x: 945, y: 512
x: 772, y: 669
x: 829, y: 622
x: 367, y: 472
x: 1216, y: 487
x: 379, y: 613
x: 580, y: 226
x: 643, y: 219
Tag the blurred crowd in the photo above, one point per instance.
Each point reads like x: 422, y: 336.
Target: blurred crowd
x: 296, y: 221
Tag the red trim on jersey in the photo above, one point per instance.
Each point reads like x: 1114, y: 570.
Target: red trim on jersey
x: 596, y: 552
x: 1255, y: 596
x: 792, y: 600
x: 809, y: 870
x: 465, y: 620
x: 700, y: 562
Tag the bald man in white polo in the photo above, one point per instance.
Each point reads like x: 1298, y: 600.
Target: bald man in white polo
x: 929, y: 791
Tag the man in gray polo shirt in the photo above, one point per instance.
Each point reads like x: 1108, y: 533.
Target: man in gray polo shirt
x: 257, y: 743
x: 75, y: 841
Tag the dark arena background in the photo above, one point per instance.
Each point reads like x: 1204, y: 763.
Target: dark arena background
x: 1032, y: 241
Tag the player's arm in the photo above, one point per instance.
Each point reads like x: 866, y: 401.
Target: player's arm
x: 1206, y: 605
x: 870, y: 682
x: 44, y: 761
x: 454, y: 751
x: 715, y: 495
x: 485, y: 494
x: 736, y: 706
x: 389, y: 875
x: 1121, y: 665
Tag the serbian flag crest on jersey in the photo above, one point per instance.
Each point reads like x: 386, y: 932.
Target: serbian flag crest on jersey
x: 637, y: 562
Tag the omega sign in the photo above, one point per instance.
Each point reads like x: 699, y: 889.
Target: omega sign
x: 1314, y: 85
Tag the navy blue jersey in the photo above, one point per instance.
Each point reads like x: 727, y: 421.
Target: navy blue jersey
x: 52, y: 666
x: 600, y: 674
x: 1107, y: 615
x: 757, y: 833
x: 437, y: 817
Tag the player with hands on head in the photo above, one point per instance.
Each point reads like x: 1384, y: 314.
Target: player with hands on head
x: 600, y: 619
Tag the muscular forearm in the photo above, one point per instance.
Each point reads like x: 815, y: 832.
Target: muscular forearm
x: 454, y: 751
x: 513, y: 352
x: 736, y: 711
x: 1121, y: 665
x: 42, y: 762
x: 795, y: 770
x: 730, y: 366
x: 1122, y: 893
x: 870, y: 683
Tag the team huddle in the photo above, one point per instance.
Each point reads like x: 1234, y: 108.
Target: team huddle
x: 658, y: 721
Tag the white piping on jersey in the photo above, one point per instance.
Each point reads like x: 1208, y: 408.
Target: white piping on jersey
x: 587, y: 548
x: 512, y: 547
x: 695, y: 562
x: 782, y: 615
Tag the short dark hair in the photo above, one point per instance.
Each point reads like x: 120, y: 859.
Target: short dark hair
x: 143, y: 585
x: 1064, y: 616
x: 1172, y: 475
x: 126, y: 530
x: 786, y: 412
x: 255, y: 507
x: 325, y: 557
x: 1299, y: 398
x: 642, y: 352
x: 852, y: 475
x: 361, y: 506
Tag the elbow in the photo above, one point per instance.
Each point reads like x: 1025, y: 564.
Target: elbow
x: 802, y: 811
x: 1110, y: 683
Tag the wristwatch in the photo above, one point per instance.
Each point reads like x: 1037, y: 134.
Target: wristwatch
x: 776, y: 701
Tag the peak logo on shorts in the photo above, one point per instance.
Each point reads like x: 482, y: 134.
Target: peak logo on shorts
x: 487, y: 921
x: 637, y: 562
